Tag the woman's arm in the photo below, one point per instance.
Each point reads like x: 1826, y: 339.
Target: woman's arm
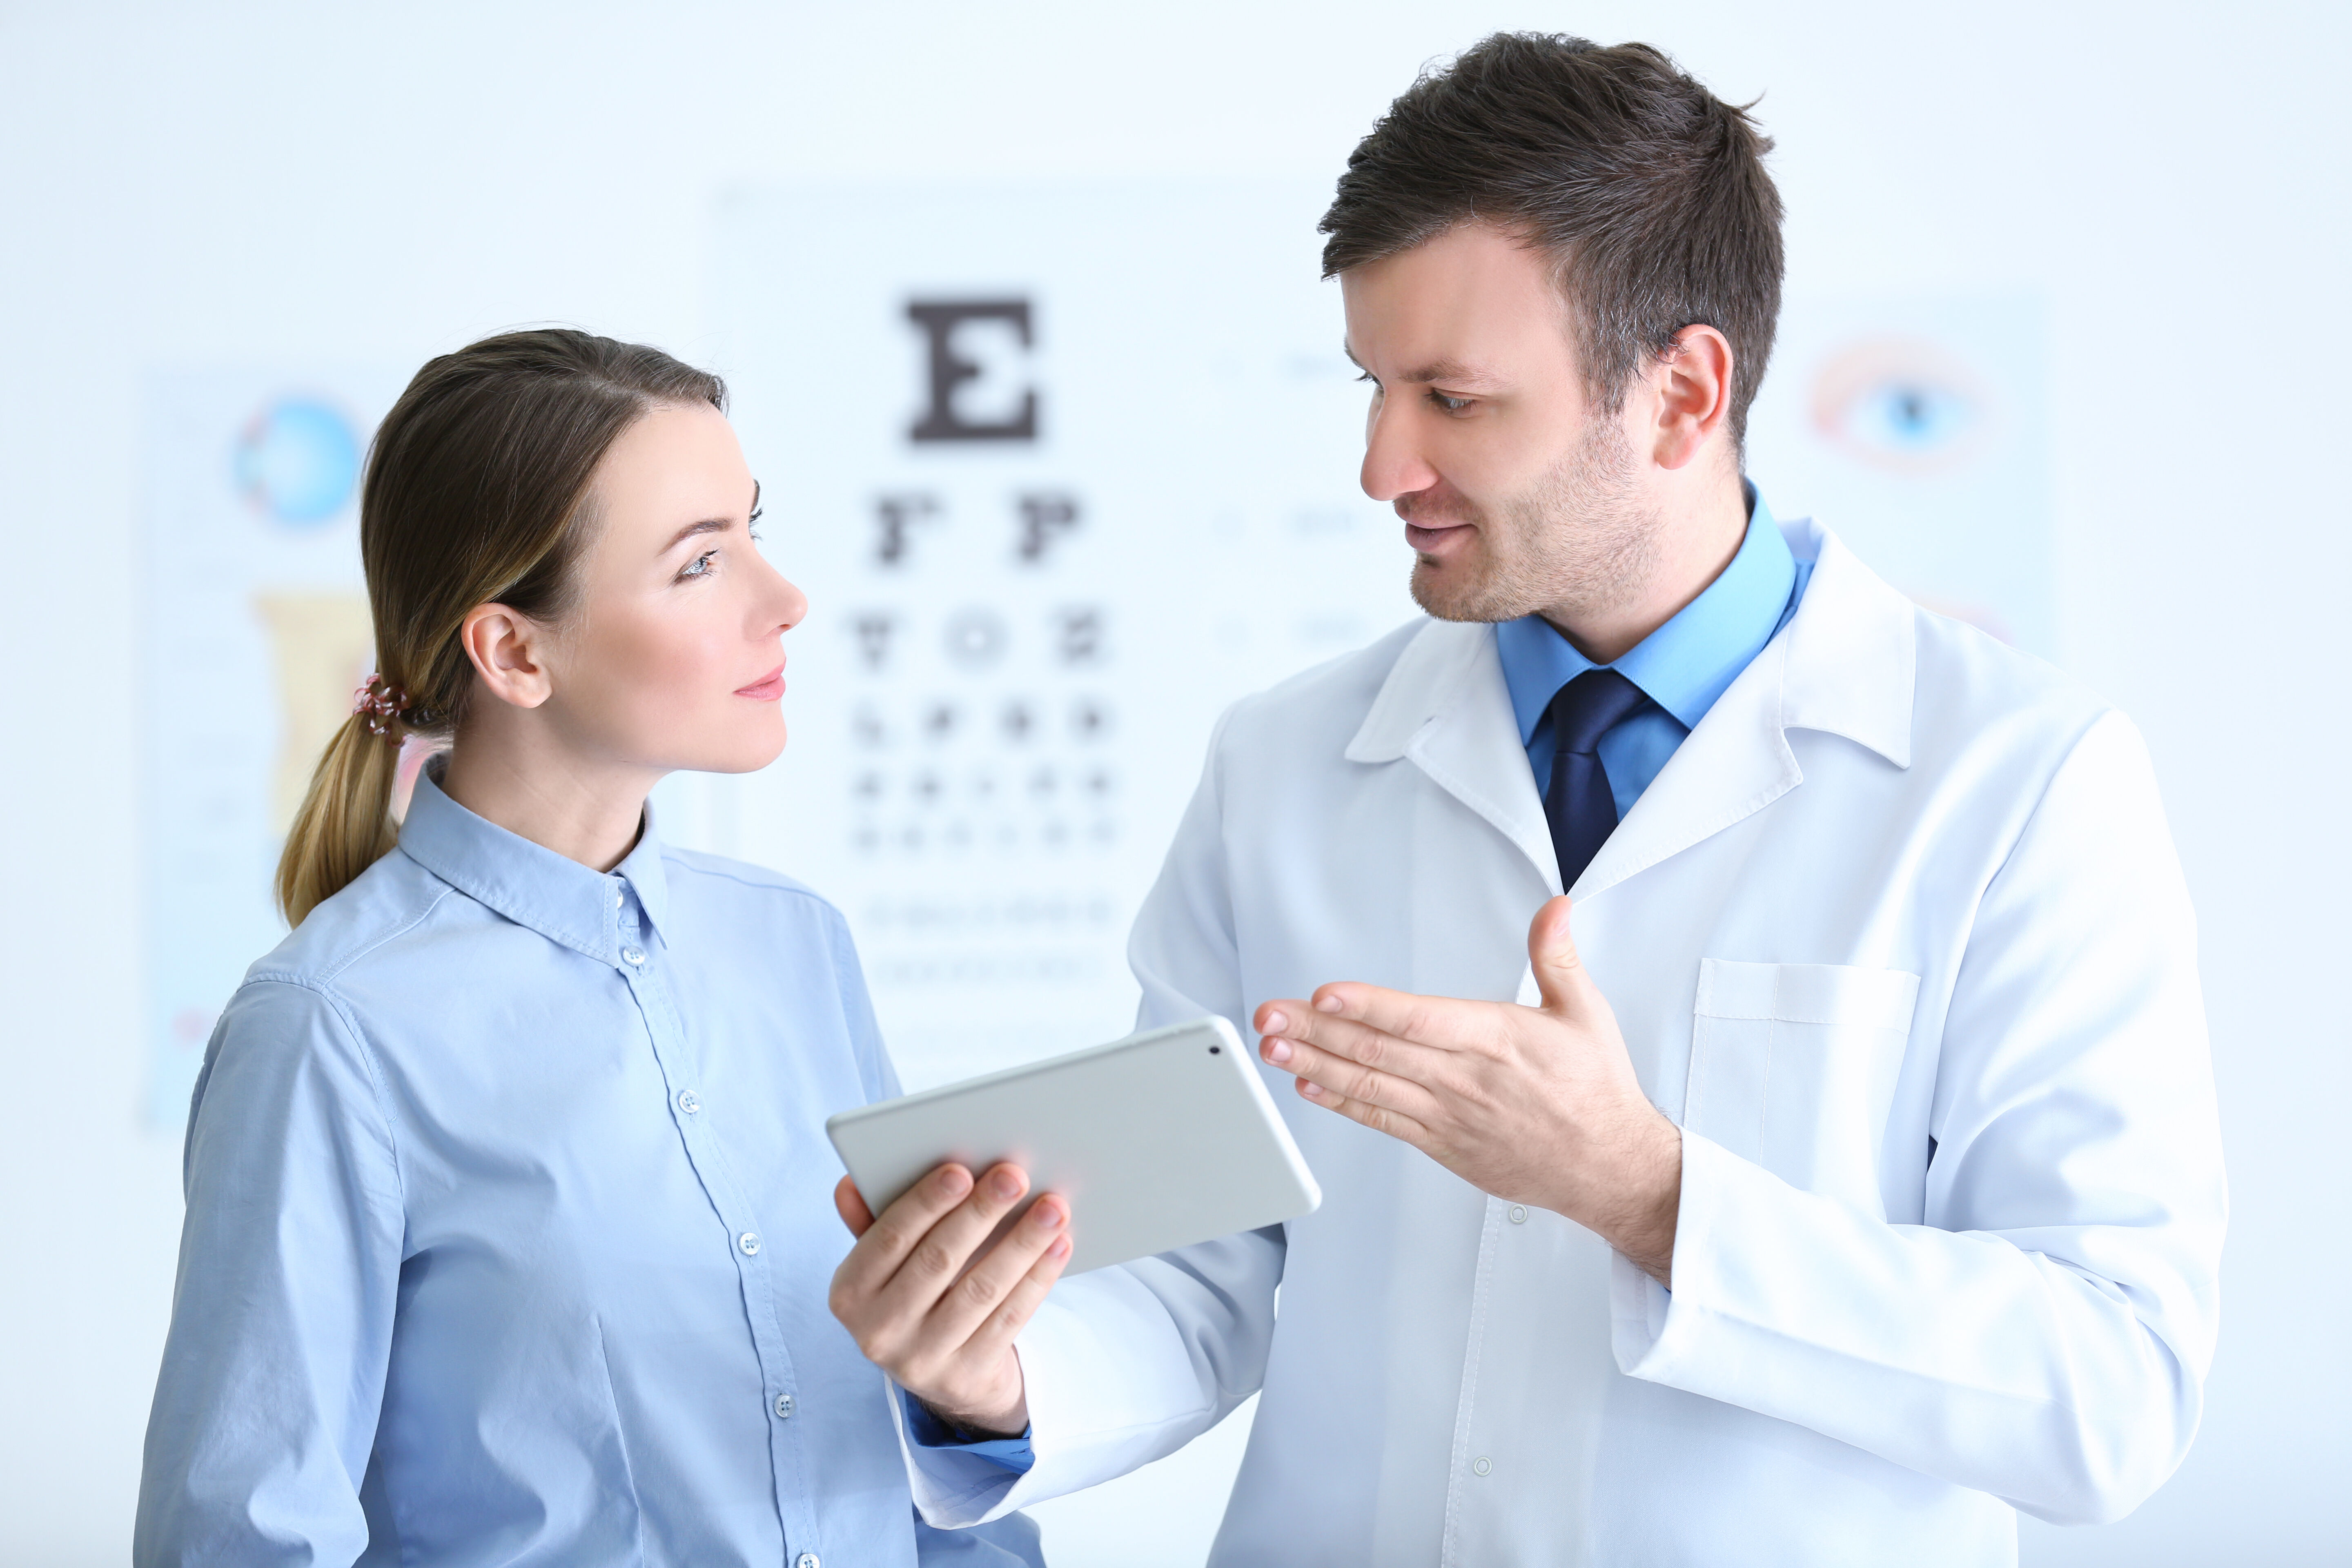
x: 273, y: 1374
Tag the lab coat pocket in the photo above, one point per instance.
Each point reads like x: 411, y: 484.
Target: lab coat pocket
x: 1793, y: 1067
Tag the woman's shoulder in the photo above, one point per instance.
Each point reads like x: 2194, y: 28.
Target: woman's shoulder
x: 715, y: 878
x: 390, y: 900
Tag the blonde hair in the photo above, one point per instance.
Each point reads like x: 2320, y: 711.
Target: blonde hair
x: 476, y: 493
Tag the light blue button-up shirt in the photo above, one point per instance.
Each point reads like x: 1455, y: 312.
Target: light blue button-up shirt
x: 1681, y: 668
x: 509, y: 1229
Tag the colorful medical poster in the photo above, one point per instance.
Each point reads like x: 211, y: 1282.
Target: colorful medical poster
x: 256, y: 630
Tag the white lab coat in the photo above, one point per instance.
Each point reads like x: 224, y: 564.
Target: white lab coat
x: 1898, y: 936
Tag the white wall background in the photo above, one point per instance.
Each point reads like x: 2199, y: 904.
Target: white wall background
x: 278, y: 183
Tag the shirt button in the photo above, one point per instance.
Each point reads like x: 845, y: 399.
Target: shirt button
x: 1482, y: 1466
x: 750, y: 1242
x: 1519, y: 1216
x: 689, y: 1101
x: 635, y: 955
x: 620, y: 899
x: 783, y: 1407
x: 806, y: 1559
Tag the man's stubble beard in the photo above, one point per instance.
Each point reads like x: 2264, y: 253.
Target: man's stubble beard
x: 1577, y: 543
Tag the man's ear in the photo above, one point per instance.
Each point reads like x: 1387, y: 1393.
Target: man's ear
x: 509, y: 652
x: 1693, y: 394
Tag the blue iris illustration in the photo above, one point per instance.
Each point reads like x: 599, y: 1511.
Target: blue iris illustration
x: 1913, y: 418
x: 297, y: 460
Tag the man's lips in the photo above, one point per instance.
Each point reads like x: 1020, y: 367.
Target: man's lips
x: 767, y: 688
x: 1428, y: 537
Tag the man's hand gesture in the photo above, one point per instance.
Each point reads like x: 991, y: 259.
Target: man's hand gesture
x: 1539, y: 1105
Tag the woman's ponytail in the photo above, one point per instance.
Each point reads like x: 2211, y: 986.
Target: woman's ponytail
x: 345, y: 823
x: 476, y: 494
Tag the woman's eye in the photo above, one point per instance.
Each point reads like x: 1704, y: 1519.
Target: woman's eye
x: 700, y: 565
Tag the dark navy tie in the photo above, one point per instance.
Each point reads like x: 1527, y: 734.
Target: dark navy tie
x: 1581, y: 811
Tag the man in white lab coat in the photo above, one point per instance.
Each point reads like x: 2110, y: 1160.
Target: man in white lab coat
x: 1845, y: 1172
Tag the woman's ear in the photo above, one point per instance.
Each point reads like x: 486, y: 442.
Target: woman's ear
x: 509, y: 653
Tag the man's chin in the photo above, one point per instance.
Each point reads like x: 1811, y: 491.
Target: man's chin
x: 1449, y: 592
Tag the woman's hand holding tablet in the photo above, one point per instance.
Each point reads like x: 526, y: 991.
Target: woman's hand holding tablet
x: 1157, y: 1141
x: 945, y: 1334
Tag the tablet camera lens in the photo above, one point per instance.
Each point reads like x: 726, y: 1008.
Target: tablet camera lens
x: 1216, y: 1050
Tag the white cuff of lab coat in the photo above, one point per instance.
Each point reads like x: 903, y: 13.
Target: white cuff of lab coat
x: 1652, y: 1329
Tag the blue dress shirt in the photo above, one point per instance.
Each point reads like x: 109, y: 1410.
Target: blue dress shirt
x: 509, y: 1229
x: 1681, y: 668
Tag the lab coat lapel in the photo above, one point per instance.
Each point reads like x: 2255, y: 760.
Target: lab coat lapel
x: 1845, y: 663
x: 1445, y: 706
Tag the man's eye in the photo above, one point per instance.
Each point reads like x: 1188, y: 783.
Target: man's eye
x: 1450, y: 404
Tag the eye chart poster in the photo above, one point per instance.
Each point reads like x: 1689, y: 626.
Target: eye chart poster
x: 1066, y: 469
x: 1063, y: 471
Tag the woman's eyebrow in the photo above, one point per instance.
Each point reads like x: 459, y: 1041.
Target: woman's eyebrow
x: 708, y: 525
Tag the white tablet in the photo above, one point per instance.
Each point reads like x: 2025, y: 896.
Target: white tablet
x: 1157, y: 1140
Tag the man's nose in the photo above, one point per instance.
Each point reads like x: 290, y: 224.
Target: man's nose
x: 1393, y: 463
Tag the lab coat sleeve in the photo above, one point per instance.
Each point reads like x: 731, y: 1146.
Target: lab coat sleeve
x: 2045, y: 1334
x: 1126, y: 1364
x: 273, y: 1367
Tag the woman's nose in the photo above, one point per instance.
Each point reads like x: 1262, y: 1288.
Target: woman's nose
x: 781, y: 605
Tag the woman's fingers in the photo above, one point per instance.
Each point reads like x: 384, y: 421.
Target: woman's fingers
x: 884, y: 1249
x: 850, y: 1204
x: 964, y: 1308
x: 935, y: 1262
x: 997, y: 1331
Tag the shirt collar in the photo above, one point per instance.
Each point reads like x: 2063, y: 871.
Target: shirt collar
x: 1688, y: 662
x: 530, y: 884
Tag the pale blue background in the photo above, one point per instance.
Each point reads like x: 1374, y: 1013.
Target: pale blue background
x: 280, y: 184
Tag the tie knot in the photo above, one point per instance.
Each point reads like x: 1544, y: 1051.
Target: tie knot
x: 1589, y: 706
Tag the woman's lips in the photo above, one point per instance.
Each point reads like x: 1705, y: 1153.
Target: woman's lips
x: 767, y: 688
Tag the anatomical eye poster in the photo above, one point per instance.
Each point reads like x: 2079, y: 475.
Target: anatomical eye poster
x: 1916, y: 428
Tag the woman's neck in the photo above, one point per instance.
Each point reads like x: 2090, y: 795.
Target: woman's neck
x: 584, y: 811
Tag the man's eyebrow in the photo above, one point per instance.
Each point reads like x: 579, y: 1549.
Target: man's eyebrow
x: 1452, y: 371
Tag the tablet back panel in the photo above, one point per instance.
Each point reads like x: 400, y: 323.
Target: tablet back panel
x: 1157, y: 1141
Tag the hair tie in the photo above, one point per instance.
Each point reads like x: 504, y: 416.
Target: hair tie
x: 384, y: 705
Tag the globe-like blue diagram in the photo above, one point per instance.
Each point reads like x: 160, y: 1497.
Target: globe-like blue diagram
x: 297, y: 460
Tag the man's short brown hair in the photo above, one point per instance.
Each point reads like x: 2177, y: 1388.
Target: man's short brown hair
x: 1647, y: 193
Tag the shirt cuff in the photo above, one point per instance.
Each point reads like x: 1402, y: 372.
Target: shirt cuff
x: 925, y: 1430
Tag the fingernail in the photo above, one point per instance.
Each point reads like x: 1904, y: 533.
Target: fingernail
x: 1278, y: 1051
x: 1275, y: 1023
x: 1047, y: 1216
x: 1005, y: 1184
x: 954, y: 1180
x: 1060, y: 1249
x: 1312, y: 1091
x: 1327, y: 1004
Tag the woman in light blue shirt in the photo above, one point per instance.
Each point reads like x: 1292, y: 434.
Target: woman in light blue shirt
x: 510, y: 1227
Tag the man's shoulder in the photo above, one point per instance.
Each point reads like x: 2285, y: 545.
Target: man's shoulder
x: 1971, y: 685
x: 1332, y: 696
